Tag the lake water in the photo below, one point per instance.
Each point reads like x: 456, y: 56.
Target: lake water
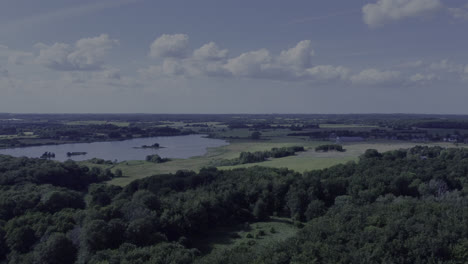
x: 181, y: 147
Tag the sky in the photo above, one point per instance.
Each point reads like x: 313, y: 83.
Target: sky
x: 256, y: 56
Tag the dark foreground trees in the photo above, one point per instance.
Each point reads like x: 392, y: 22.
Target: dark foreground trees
x: 405, y: 206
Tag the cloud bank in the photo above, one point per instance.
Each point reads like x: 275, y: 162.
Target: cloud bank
x: 293, y: 64
x: 386, y: 11
x: 86, y: 54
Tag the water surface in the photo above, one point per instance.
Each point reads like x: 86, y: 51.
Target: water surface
x: 181, y: 147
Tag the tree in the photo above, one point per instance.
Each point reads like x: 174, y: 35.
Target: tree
x: 57, y: 249
x: 3, y: 245
x: 118, y: 173
x: 20, y: 239
x: 58, y: 200
x: 255, y: 135
x: 260, y: 210
x: 99, y: 235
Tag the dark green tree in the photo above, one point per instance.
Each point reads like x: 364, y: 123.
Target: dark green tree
x: 57, y: 249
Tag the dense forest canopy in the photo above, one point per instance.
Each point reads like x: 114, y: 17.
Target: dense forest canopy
x: 403, y: 206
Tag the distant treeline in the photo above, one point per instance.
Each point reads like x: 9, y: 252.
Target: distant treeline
x: 82, y: 133
x: 443, y: 124
x: 259, y: 156
x: 330, y: 147
x: 393, y: 134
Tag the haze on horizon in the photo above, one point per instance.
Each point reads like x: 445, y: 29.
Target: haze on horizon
x: 208, y: 56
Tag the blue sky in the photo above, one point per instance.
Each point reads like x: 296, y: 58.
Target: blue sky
x: 374, y: 56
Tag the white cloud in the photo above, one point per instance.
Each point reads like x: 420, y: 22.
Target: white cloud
x: 386, y: 11
x: 151, y: 71
x: 106, y: 79
x: 375, y: 77
x: 173, y: 67
x: 293, y: 64
x: 3, y: 73
x: 170, y: 46
x: 299, y: 56
x: 418, y: 77
x: 465, y: 74
x: 112, y: 73
x: 290, y: 64
x: 459, y: 12
x: 15, y: 56
x: 210, y: 51
x: 249, y: 64
x: 86, y: 55
x: 447, y: 65
x: 328, y: 72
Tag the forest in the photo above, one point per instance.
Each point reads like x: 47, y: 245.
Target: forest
x: 402, y: 206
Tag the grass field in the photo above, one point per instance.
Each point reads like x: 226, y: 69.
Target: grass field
x: 25, y: 135
x: 221, y: 239
x: 346, y: 126
x: 93, y: 122
x: 139, y: 169
x: 311, y: 160
x: 303, y: 161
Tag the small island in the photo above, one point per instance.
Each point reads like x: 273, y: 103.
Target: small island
x: 154, y: 146
x: 69, y: 154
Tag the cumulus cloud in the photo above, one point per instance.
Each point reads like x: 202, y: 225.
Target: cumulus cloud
x: 447, y: 65
x: 170, y: 46
x: 375, y: 77
x: 465, y: 74
x: 418, y: 77
x: 386, y: 11
x: 112, y: 73
x: 459, y: 12
x: 86, y: 54
x: 293, y: 64
x: 299, y: 56
x: 15, y: 56
x: 249, y: 64
x: 211, y: 52
x: 328, y: 72
x: 173, y: 67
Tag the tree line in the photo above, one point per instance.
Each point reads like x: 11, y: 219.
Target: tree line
x: 260, y: 156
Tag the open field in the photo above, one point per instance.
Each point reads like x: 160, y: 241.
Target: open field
x: 346, y: 126
x: 221, y: 239
x: 303, y: 161
x: 94, y: 122
x: 311, y: 160
x: 140, y: 169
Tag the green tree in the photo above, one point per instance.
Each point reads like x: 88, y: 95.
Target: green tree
x: 255, y: 135
x: 260, y: 210
x: 118, y: 173
x: 58, y: 249
x: 20, y: 239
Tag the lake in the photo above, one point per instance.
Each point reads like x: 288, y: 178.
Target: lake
x: 181, y: 147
